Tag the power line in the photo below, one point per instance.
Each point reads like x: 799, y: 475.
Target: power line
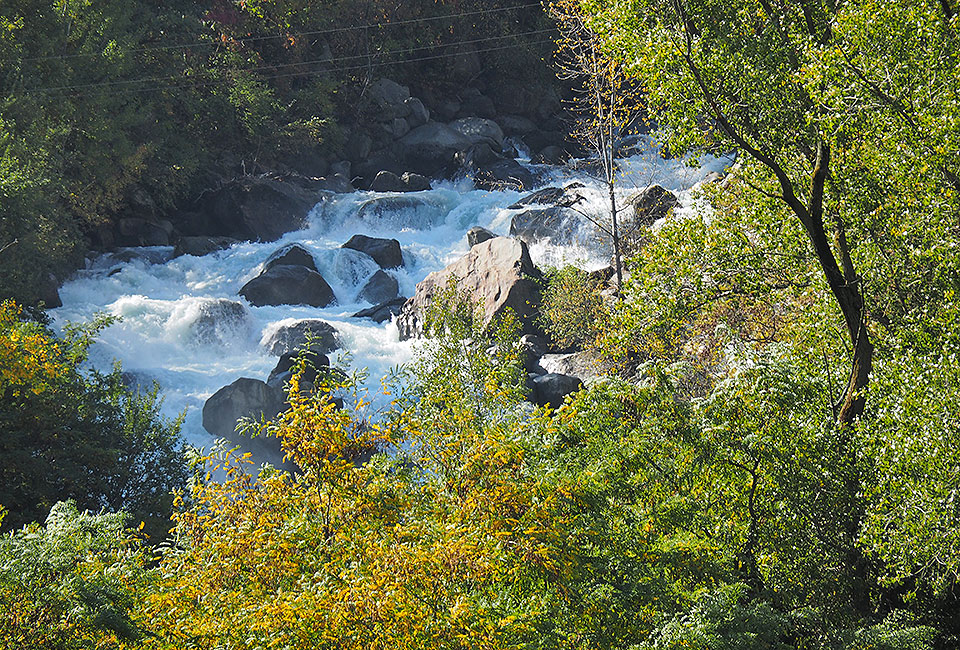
x: 304, y: 73
x: 327, y: 61
x: 332, y: 30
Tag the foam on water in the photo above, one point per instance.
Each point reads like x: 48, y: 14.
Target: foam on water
x: 177, y: 328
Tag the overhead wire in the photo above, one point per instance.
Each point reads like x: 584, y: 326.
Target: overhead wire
x: 122, y: 82
x: 252, y: 39
x: 307, y: 73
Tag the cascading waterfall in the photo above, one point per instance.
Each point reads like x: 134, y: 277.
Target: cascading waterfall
x: 181, y: 325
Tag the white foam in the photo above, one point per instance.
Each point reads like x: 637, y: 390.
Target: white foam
x: 160, y: 303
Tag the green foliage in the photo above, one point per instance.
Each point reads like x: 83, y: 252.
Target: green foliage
x: 70, y: 583
x: 573, y: 310
x: 67, y: 433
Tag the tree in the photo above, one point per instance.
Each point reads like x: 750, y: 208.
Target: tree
x: 607, y: 104
x: 66, y: 433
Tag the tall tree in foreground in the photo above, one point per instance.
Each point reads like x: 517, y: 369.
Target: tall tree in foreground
x: 809, y: 93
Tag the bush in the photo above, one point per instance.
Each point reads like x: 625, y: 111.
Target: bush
x: 573, y: 310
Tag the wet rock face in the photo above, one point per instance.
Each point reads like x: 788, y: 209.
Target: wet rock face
x: 383, y: 312
x: 245, y: 398
x: 283, y: 371
x: 308, y: 334
x: 288, y: 285
x: 652, y: 204
x: 477, y: 235
x: 291, y: 255
x: 550, y: 389
x: 254, y: 208
x: 380, y: 288
x: 557, y: 224
x: 385, y: 252
x: 497, y: 273
x: 200, y: 246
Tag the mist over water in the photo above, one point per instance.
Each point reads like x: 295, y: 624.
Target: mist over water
x: 166, y: 333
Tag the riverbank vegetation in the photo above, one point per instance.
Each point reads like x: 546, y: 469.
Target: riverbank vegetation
x: 773, y: 463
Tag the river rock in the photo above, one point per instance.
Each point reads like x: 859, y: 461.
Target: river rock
x: 388, y: 99
x: 217, y: 320
x: 503, y: 174
x: 250, y: 398
x: 288, y: 285
x: 550, y: 389
x: 652, y: 204
x: 382, y: 312
x: 584, y: 365
x: 418, y: 115
x: 430, y: 149
x: 533, y: 347
x: 401, y: 212
x: 385, y: 252
x: 516, y: 124
x: 554, y: 196
x: 256, y: 208
x: 283, y: 371
x: 200, y: 246
x: 387, y: 181
x: 556, y: 224
x: 380, y: 288
x: 291, y: 255
x: 551, y: 155
x: 479, y: 130
x: 479, y: 234
x: 415, y: 182
x: 498, y: 273
x: 323, y: 337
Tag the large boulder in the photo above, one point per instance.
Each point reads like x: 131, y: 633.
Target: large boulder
x: 254, y: 207
x: 283, y: 371
x: 497, y: 273
x: 308, y: 334
x: 288, y: 285
x: 380, y: 288
x: 387, y: 181
x: 199, y: 246
x: 652, y: 204
x: 584, y: 365
x: 503, y: 174
x: 388, y: 99
x: 479, y: 130
x: 430, y: 149
x: 291, y: 255
x: 382, y: 312
x: 385, y: 252
x: 550, y: 389
x: 245, y: 398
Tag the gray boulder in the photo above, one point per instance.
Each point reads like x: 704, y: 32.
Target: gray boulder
x: 550, y: 389
x: 387, y: 181
x: 385, y: 252
x: 283, y: 371
x: 477, y: 235
x: 552, y: 155
x: 322, y: 336
x: 516, y: 124
x: 555, y: 196
x: 388, y: 98
x: 584, y: 365
x: 290, y: 255
x: 497, y: 273
x: 380, y: 288
x: 415, y: 182
x: 502, y: 174
x: 652, y: 204
x: 288, y: 285
x: 418, y: 115
x: 429, y: 149
x: 479, y: 130
x: 200, y: 245
x: 245, y: 398
x: 382, y: 312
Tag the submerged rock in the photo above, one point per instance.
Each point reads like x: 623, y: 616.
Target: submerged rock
x: 245, y: 398
x: 557, y: 224
x: 200, y: 246
x: 217, y: 320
